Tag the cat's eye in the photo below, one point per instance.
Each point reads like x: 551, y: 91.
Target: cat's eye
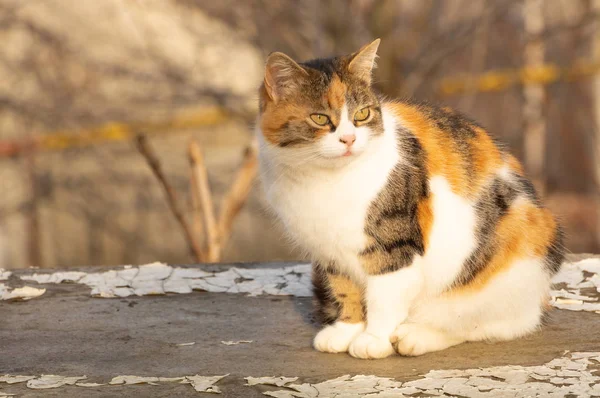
x: 319, y: 119
x: 362, y: 115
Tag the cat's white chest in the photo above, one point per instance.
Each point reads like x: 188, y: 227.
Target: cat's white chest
x: 325, y: 213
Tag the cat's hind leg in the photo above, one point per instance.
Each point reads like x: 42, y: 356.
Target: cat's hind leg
x: 509, y: 305
x: 501, y: 298
x: 339, y: 304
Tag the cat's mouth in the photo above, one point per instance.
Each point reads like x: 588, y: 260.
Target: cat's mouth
x: 348, y: 153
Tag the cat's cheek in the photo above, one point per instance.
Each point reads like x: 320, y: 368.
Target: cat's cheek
x: 362, y: 139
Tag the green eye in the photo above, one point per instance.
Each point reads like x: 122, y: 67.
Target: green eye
x: 319, y: 119
x: 362, y: 115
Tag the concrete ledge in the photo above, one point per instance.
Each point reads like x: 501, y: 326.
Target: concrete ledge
x: 67, y: 332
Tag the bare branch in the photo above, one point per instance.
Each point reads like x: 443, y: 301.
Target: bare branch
x: 204, y: 197
x: 154, y: 164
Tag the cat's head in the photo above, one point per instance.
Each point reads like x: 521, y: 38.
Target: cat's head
x: 320, y: 112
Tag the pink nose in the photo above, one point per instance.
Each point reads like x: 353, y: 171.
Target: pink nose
x: 348, y: 139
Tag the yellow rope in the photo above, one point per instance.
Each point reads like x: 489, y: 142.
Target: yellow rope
x: 115, y: 131
x: 502, y: 79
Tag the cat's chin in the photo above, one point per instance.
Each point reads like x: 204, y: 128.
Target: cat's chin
x: 333, y: 162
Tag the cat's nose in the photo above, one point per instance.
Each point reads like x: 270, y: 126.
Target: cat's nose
x: 348, y: 139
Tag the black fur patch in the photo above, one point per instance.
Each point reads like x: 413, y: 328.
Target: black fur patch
x: 392, y: 219
x: 556, y: 252
x: 490, y: 208
x: 327, y: 309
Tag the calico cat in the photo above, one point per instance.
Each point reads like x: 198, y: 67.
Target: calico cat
x: 423, y: 232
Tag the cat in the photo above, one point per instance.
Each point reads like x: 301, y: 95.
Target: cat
x: 424, y: 233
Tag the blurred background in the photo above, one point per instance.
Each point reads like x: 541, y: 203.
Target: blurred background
x: 79, y: 80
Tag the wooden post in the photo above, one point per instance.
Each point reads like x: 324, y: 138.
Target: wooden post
x: 595, y: 5
x: 534, y: 93
x: 35, y: 255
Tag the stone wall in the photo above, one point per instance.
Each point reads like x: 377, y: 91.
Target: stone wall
x: 71, y: 65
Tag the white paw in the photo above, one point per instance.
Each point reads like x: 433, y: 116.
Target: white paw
x: 337, y: 337
x: 369, y: 346
x: 412, y: 339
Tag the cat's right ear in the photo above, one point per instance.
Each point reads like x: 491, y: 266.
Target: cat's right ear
x: 282, y: 76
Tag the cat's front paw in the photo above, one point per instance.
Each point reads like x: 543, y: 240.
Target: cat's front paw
x: 369, y: 346
x: 337, y: 337
x: 412, y: 339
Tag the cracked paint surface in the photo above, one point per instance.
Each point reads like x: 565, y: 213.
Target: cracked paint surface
x: 238, y: 342
x: 576, y: 287
x: 199, y: 383
x: 52, y: 381
x: 574, y: 374
x: 158, y: 278
x: 4, y: 274
x: 21, y: 293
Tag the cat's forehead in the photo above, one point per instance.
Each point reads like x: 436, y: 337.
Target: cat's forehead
x: 331, y: 85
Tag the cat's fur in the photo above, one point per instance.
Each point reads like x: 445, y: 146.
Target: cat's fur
x: 424, y: 232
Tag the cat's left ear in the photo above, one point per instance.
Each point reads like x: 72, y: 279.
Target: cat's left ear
x: 362, y: 62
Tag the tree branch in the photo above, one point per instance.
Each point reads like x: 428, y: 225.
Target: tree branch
x: 204, y: 198
x: 154, y: 164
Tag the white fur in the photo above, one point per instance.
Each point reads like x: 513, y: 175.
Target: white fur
x: 323, y: 198
x: 337, y: 337
x: 388, y: 298
x: 324, y: 208
x: 414, y: 339
x: 452, y: 238
x: 509, y: 306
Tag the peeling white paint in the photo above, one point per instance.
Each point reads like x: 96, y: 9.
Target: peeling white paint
x: 577, y: 278
x: 90, y: 384
x: 185, y: 344
x: 229, y: 342
x: 272, y: 381
x: 4, y: 274
x: 205, y: 383
x: 22, y: 293
x: 52, y: 381
x: 573, y: 374
x: 134, y: 380
x: 199, y: 383
x: 158, y: 278
x: 8, y: 379
x: 575, y: 286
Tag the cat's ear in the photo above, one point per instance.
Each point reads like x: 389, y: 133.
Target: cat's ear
x: 362, y: 62
x: 282, y: 76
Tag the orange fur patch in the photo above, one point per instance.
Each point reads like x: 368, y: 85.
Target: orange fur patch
x: 336, y: 96
x: 425, y: 217
x: 514, y: 164
x: 445, y: 158
x: 441, y: 158
x: 486, y: 158
x: 525, y: 232
x: 275, y: 116
x: 349, y: 296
